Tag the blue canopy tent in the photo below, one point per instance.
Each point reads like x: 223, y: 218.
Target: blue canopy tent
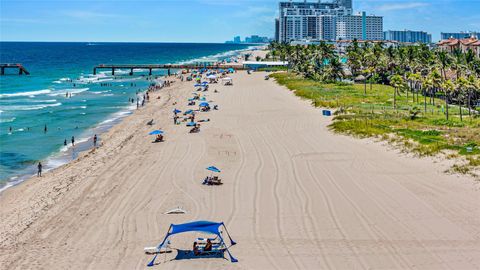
x: 156, y: 132
x: 204, y: 104
x: 213, y: 169
x: 197, y: 226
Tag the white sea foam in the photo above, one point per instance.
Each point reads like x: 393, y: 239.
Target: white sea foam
x: 7, y: 120
x: 27, y: 94
x: 29, y: 107
x: 72, y: 91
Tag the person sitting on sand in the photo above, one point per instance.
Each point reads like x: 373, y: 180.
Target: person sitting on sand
x: 159, y: 138
x: 208, y: 246
x: 196, y: 250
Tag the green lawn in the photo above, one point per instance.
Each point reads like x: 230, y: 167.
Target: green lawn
x: 373, y: 115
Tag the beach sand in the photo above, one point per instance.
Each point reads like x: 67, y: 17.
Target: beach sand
x: 295, y: 195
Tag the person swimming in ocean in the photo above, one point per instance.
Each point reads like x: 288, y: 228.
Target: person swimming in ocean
x: 65, y: 142
x: 45, y: 129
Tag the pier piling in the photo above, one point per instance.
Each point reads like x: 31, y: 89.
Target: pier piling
x: 21, y: 69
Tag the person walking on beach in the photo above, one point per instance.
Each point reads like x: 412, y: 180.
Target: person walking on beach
x: 95, y: 140
x: 39, y: 172
x: 73, y: 141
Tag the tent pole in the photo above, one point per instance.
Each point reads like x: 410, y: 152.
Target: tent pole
x: 231, y: 240
x: 232, y: 259
x: 152, y: 262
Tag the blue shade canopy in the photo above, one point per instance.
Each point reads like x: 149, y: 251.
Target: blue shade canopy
x: 198, y: 85
x: 231, y: 70
x: 213, y: 169
x: 204, y: 83
x: 191, y: 124
x: 204, y: 104
x: 156, y: 132
x: 196, y: 226
x: 177, y: 111
x: 189, y: 112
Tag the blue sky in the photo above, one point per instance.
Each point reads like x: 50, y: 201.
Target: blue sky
x: 203, y: 20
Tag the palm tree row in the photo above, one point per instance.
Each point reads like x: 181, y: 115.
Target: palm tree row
x: 413, y: 69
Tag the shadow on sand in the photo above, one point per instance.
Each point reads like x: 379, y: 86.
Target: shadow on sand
x: 189, y: 255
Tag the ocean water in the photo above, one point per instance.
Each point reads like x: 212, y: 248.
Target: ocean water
x: 29, y: 103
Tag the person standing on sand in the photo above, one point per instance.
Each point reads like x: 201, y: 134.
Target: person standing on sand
x: 39, y: 172
x: 73, y: 141
x: 95, y: 140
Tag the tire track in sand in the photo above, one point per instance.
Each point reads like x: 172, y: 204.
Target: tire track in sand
x: 276, y: 183
x: 313, y: 236
x: 256, y: 200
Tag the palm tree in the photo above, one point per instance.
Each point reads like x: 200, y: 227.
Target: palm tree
x: 428, y: 85
x: 396, y: 81
x: 447, y: 87
x: 444, y: 61
x: 461, y: 85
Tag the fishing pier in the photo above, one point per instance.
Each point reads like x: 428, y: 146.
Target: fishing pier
x: 151, y: 67
x: 21, y: 69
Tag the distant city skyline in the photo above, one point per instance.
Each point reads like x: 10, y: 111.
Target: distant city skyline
x: 181, y: 21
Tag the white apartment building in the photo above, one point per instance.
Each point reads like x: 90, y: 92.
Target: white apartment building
x: 325, y: 21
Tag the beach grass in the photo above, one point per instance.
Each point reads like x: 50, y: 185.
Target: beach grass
x: 419, y: 129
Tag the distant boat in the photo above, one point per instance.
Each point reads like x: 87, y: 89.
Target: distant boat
x: 91, y: 44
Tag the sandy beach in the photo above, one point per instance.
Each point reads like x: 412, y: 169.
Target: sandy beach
x: 295, y: 195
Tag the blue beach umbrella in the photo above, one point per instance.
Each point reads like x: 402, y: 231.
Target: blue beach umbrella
x: 198, y: 85
x: 176, y: 111
x: 204, y: 104
x: 213, y: 169
x: 203, y: 99
x: 204, y: 83
x: 191, y: 124
x: 189, y: 112
x: 156, y: 132
x: 231, y: 70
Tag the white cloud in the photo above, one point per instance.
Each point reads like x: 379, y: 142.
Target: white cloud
x: 400, y: 6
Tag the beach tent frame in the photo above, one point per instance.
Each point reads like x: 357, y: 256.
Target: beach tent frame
x: 197, y: 226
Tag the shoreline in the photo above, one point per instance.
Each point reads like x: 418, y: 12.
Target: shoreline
x: 60, y: 158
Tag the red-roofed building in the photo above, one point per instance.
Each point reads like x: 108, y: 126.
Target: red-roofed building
x: 465, y: 44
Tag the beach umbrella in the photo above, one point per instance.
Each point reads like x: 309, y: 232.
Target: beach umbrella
x: 204, y: 104
x: 189, y: 112
x: 176, y: 111
x: 204, y: 83
x: 191, y: 99
x: 211, y: 77
x: 198, y: 85
x: 191, y: 124
x: 213, y: 169
x: 203, y: 99
x: 156, y: 132
x: 231, y: 70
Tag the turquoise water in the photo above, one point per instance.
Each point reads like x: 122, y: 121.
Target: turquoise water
x: 28, y: 103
